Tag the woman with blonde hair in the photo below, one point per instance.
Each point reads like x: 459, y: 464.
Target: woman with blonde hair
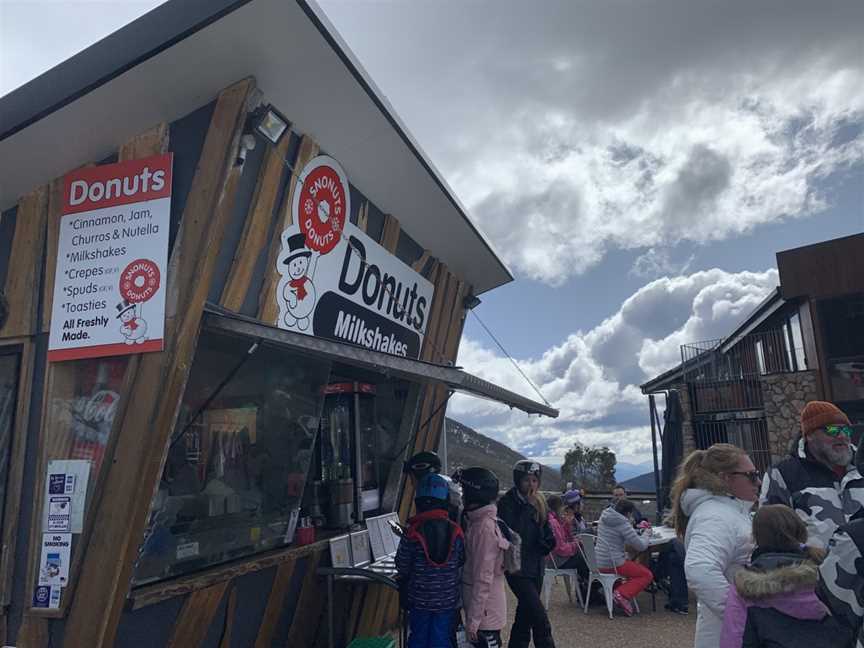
x: 711, y: 503
x: 524, y: 510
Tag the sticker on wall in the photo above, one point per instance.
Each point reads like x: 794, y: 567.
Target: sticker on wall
x: 187, y: 550
x: 60, y: 514
x: 54, y: 564
x: 112, y: 254
x: 336, y: 282
x: 46, y: 596
x: 66, y: 483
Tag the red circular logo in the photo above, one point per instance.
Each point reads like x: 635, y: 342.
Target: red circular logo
x: 139, y: 281
x: 321, y: 205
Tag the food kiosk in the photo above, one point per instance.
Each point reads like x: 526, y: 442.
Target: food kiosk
x: 233, y: 289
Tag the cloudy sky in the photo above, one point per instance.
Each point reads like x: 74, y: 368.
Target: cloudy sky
x: 637, y: 164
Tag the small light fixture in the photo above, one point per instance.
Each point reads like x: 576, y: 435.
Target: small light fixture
x: 271, y: 124
x: 471, y: 302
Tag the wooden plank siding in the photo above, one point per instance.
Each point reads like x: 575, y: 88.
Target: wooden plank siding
x: 153, y: 389
x: 256, y: 227
x: 196, y: 616
x: 157, y: 391
x: 22, y: 287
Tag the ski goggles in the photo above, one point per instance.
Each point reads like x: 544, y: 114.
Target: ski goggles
x: 839, y: 430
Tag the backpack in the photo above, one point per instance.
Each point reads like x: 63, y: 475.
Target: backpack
x: 513, y: 554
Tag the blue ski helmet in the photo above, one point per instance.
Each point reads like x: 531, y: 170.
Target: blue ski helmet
x: 433, y: 486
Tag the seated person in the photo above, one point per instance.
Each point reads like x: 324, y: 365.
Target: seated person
x: 619, y: 493
x: 573, y: 501
x: 670, y: 564
x: 567, y: 553
x: 614, y: 533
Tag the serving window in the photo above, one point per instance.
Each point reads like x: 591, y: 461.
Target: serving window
x: 267, y: 435
x: 238, y: 458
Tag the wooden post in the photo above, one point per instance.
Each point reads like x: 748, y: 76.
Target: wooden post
x: 155, y: 396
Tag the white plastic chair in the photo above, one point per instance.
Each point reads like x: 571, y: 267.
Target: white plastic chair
x: 589, y: 552
x: 571, y: 581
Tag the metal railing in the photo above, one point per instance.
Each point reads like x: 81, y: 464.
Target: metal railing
x: 749, y: 434
x: 729, y: 380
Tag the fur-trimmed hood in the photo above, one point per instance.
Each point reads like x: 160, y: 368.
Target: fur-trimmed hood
x: 787, y: 577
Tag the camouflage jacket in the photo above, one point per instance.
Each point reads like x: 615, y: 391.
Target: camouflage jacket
x: 841, y: 577
x: 821, y: 498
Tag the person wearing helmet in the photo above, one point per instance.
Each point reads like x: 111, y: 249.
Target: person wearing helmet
x: 524, y: 510
x: 429, y: 564
x: 426, y: 463
x: 483, y: 596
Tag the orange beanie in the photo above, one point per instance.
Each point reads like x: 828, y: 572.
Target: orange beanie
x: 818, y: 414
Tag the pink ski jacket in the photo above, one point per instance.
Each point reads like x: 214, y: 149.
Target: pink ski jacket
x: 483, y: 596
x: 565, y: 544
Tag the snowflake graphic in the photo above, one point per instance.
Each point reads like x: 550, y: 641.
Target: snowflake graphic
x: 308, y: 206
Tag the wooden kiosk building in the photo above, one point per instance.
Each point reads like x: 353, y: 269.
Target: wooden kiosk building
x: 154, y: 471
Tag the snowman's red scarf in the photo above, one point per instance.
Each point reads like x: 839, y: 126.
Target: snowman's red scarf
x: 132, y: 323
x: 300, y: 285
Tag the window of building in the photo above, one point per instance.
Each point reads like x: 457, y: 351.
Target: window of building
x: 760, y: 358
x: 9, y: 363
x: 238, y: 458
x: 797, y: 343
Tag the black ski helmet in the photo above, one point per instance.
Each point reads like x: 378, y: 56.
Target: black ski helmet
x: 423, y: 463
x: 479, y: 486
x: 526, y: 467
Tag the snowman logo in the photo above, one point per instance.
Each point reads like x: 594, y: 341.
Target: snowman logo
x: 132, y: 325
x: 299, y: 291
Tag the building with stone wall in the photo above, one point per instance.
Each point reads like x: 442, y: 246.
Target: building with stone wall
x: 804, y: 342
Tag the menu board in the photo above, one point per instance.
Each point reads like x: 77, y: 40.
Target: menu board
x: 112, y: 258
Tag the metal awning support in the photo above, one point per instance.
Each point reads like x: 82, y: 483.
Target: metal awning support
x: 414, y: 370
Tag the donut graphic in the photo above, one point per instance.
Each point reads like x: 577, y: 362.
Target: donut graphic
x: 139, y: 281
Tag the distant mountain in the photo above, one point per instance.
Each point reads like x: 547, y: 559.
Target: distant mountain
x: 625, y: 471
x: 467, y: 447
x: 641, y: 484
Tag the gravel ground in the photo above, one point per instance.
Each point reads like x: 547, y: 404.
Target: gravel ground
x: 574, y: 629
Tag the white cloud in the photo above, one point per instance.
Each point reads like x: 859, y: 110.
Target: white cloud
x: 592, y: 377
x: 623, y: 127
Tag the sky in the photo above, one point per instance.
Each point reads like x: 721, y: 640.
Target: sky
x: 636, y: 164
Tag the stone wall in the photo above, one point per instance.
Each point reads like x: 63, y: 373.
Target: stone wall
x: 785, y: 396
x: 688, y: 433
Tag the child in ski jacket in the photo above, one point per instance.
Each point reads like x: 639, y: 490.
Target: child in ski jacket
x: 773, y: 603
x: 429, y: 564
x: 484, y: 599
x: 567, y: 553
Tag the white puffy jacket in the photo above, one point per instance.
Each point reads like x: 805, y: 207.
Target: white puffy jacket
x: 718, y: 542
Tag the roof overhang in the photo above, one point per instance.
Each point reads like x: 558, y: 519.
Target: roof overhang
x: 180, y: 55
x: 760, y: 314
x: 455, y: 379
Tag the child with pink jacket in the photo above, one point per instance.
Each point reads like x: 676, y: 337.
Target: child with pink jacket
x: 483, y: 596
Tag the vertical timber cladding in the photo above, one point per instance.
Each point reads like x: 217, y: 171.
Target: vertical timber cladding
x: 34, y: 629
x: 155, y: 395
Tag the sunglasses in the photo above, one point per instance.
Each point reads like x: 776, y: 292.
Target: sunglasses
x: 752, y: 475
x: 839, y: 430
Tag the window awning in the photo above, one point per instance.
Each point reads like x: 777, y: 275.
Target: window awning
x: 217, y: 318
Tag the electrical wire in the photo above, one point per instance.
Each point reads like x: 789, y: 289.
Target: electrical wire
x: 509, y: 357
